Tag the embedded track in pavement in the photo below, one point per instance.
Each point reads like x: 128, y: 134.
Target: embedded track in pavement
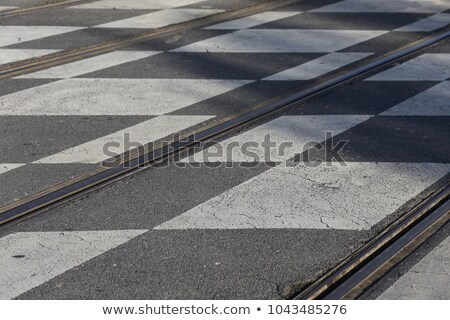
x: 26, y: 10
x: 353, y: 276
x: 133, y: 162
x: 54, y: 59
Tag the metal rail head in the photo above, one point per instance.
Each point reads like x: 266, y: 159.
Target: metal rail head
x: 79, y: 185
x: 354, y: 275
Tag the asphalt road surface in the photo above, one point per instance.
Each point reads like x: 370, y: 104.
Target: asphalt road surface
x: 230, y: 225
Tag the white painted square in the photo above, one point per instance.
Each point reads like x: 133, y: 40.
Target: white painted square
x: 136, y: 4
x: 319, y: 66
x: 254, y: 20
x: 427, y: 67
x: 18, y: 34
x: 14, y: 55
x: 413, y: 6
x: 160, y: 18
x: 88, y: 65
x: 354, y: 197
x: 432, y: 102
x: 113, y: 96
x: 434, y: 22
x: 269, y: 40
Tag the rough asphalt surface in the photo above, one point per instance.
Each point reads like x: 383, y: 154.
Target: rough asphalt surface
x: 247, y: 231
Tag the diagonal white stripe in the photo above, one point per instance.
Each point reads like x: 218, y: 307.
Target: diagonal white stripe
x: 295, y: 130
x: 429, y: 279
x: 160, y: 19
x: 319, y: 66
x: 4, y: 8
x: 269, y: 40
x: 17, y: 34
x: 84, y: 66
x: 13, y: 55
x: 432, y: 102
x: 136, y: 4
x: 428, y: 24
x: 254, y: 20
x: 429, y: 66
x: 30, y: 259
x: 354, y: 197
x: 113, y: 96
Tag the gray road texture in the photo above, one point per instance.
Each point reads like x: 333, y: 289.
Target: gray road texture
x: 29, y: 137
x: 189, y: 247
x: 224, y: 263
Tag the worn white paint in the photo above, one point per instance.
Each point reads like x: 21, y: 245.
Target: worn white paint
x: 5, y: 167
x: 160, y: 18
x: 113, y: 96
x: 296, y: 130
x: 434, y: 22
x: 139, y: 134
x: 427, y: 67
x: 319, y: 66
x: 429, y: 279
x: 13, y: 55
x: 270, y: 40
x: 432, y: 102
x: 30, y: 259
x: 84, y: 66
x: 354, y: 197
x: 135, y: 4
x: 17, y: 34
x: 413, y: 6
x: 254, y: 20
x: 4, y: 8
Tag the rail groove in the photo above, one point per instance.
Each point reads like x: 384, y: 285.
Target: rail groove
x: 50, y: 60
x: 135, y: 161
x: 20, y: 11
x: 364, y: 267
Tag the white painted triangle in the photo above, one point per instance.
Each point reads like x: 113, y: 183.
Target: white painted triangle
x: 427, y: 67
x: 30, y: 259
x: 432, y: 102
x: 354, y: 197
x: 84, y: 66
x: 298, y: 131
x: 113, y: 96
x: 139, y: 134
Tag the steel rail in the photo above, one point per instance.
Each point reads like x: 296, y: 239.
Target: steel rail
x: 363, y: 268
x: 20, y: 11
x: 54, y: 59
x: 136, y: 161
